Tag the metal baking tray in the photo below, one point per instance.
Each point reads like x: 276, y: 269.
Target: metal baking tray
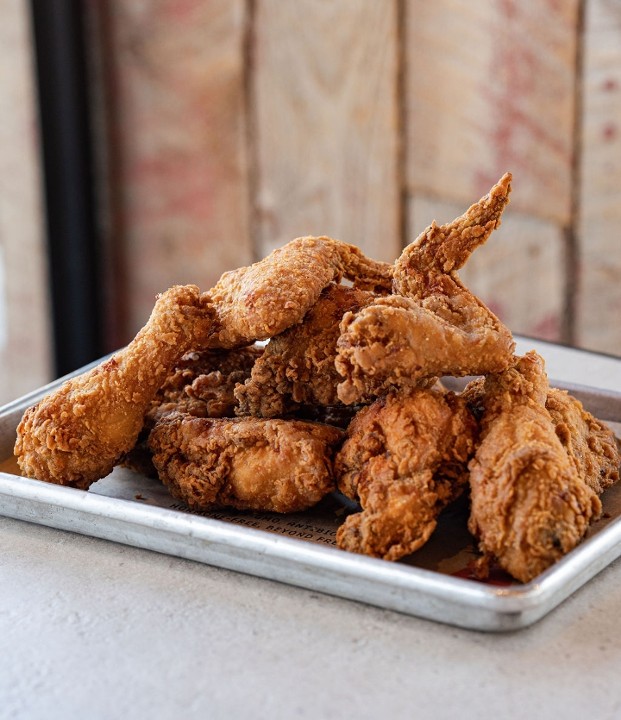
x: 300, y: 549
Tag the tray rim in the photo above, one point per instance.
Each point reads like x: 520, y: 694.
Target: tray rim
x: 495, y: 608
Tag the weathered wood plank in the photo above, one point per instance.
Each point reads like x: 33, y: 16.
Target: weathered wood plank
x: 490, y: 88
x: 182, y: 175
x: 519, y: 273
x: 325, y: 84
x: 599, y: 301
x: 25, y: 358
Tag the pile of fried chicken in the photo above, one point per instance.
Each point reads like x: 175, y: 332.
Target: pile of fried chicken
x: 345, y: 396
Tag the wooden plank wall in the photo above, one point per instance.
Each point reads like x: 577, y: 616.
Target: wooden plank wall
x: 599, y: 226
x: 325, y: 80
x: 177, y: 133
x: 25, y: 361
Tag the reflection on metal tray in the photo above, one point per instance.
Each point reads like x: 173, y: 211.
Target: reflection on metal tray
x: 300, y: 549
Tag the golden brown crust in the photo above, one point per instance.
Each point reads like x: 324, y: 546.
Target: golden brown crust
x: 591, y: 446
x: 75, y: 435
x: 245, y: 463
x: 399, y: 342
x: 433, y: 324
x: 264, y: 299
x: 404, y: 460
x: 207, y: 377
x: 529, y: 506
x: 441, y: 250
x: 297, y: 367
x: 201, y: 384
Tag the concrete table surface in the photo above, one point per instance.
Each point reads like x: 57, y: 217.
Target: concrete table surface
x: 92, y: 629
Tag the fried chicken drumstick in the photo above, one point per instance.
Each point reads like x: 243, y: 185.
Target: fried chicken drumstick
x: 245, y: 463
x: 529, y: 504
x: 77, y: 434
x: 432, y: 324
x: 404, y: 460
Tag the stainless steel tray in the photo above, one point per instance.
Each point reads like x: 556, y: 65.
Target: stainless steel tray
x: 300, y: 549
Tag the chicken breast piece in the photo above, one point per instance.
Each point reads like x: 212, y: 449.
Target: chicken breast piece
x: 244, y: 463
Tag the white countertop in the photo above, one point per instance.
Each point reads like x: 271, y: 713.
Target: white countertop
x: 92, y: 629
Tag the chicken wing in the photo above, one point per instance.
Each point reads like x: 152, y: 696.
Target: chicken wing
x: 529, y: 505
x: 297, y: 367
x: 244, y: 463
x: 264, y: 299
x: 433, y: 324
x: 76, y: 435
x: 404, y: 460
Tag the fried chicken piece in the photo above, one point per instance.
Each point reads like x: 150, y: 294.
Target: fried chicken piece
x: 297, y: 367
x: 264, y: 299
x: 207, y: 378
x: 76, y: 435
x: 201, y: 384
x: 590, y: 444
x: 404, y: 460
x: 244, y: 463
x: 433, y: 324
x: 529, y: 505
x: 440, y: 250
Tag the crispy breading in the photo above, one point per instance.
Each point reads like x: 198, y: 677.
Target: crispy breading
x: 404, y: 460
x: 432, y: 323
x: 201, y: 384
x: 591, y: 445
x: 264, y: 299
x: 529, y: 506
x: 76, y: 435
x: 245, y: 463
x: 297, y: 367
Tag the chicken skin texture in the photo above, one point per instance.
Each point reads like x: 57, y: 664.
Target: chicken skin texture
x: 264, y: 299
x: 201, y: 384
x: 297, y: 367
x: 592, y: 446
x: 432, y: 324
x: 77, y: 434
x: 529, y: 506
x: 244, y: 463
x: 405, y: 458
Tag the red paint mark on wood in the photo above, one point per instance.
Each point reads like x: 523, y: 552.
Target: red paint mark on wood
x: 181, y: 10
x: 610, y: 132
x: 548, y: 328
x: 497, y: 307
x: 508, y: 8
x: 516, y: 65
